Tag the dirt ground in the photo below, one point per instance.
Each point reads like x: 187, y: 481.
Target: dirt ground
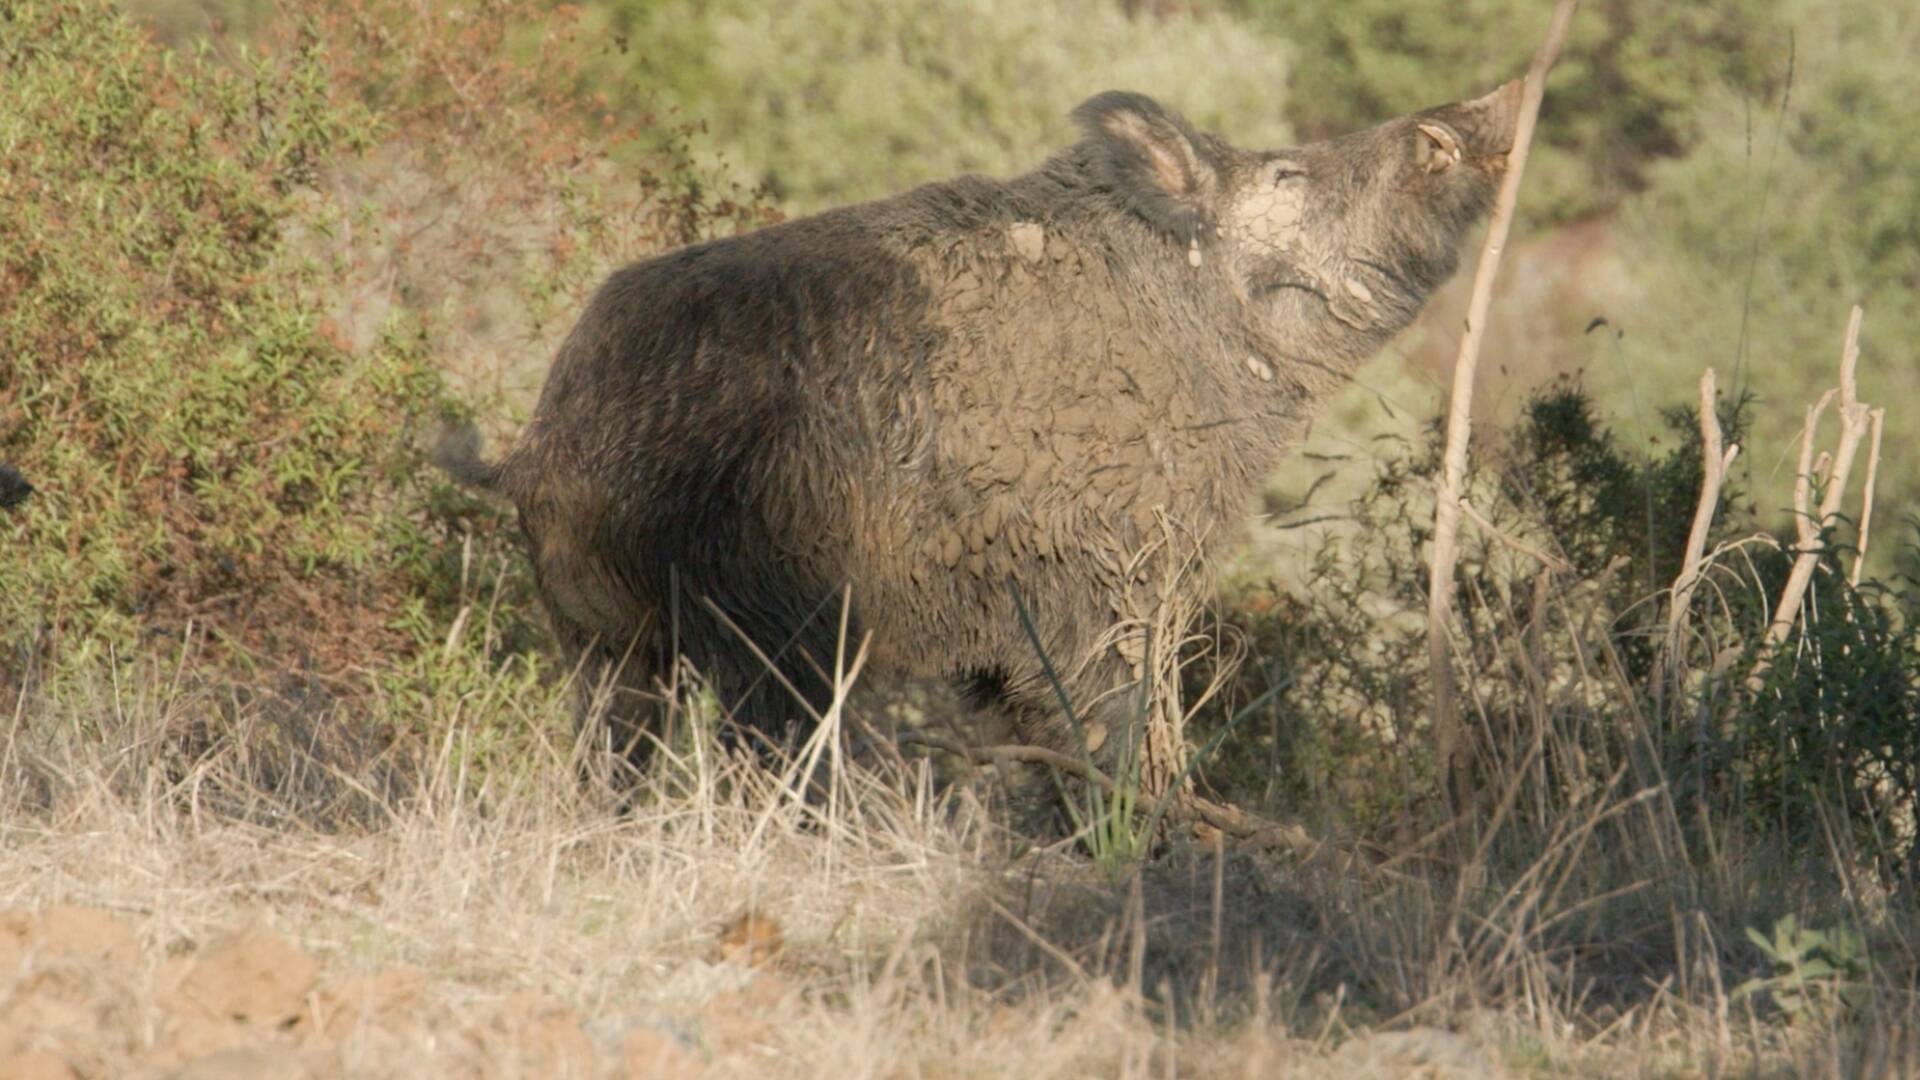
x: 85, y: 997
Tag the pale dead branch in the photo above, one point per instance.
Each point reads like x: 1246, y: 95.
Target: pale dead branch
x: 1855, y: 420
x: 1715, y: 460
x: 1545, y: 558
x: 1866, y: 495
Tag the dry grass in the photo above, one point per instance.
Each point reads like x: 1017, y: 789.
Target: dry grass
x: 463, y: 906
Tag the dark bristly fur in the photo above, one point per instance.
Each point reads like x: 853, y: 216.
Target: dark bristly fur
x: 979, y: 382
x: 14, y: 488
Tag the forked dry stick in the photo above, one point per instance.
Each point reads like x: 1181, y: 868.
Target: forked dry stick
x: 1714, y: 463
x: 1855, y: 419
x: 1448, y: 744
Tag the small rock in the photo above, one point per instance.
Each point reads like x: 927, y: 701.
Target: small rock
x: 751, y: 938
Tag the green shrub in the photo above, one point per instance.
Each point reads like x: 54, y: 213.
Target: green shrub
x: 205, y: 447
x: 831, y: 101
x: 1828, y: 749
x: 1571, y: 659
x: 222, y: 425
x: 1351, y: 639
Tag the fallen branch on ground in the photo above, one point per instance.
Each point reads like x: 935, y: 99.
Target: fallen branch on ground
x: 987, y: 755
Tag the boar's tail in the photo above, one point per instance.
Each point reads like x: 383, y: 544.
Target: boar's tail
x: 14, y: 488
x: 456, y: 451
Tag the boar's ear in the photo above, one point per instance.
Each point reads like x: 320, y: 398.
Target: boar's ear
x: 1152, y: 159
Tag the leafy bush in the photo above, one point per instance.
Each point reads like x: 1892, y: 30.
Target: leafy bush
x: 206, y: 448
x: 831, y: 101
x: 229, y: 287
x: 1813, y: 969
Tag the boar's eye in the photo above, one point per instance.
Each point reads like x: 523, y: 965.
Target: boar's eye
x: 1437, y: 148
x: 1284, y: 171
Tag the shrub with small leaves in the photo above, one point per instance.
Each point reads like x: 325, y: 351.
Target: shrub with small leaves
x: 232, y: 281
x: 206, y: 448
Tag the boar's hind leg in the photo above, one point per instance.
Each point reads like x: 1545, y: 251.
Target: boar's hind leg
x: 773, y: 688
x: 617, y: 707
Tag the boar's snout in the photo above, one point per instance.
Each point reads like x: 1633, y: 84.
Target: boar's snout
x: 1488, y: 122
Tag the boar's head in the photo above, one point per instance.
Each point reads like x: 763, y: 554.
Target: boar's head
x: 1332, y: 246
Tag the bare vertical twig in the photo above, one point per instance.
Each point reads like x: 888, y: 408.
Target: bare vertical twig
x: 1211, y: 983
x: 1715, y: 460
x: 1866, y: 496
x: 1449, y: 746
x: 1855, y: 418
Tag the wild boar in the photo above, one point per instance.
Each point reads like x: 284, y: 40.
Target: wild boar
x: 978, y: 386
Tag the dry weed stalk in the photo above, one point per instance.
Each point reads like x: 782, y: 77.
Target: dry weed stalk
x: 1151, y: 634
x: 1449, y: 746
x: 1538, y: 554
x: 1715, y: 460
x: 1866, y: 495
x: 1856, y: 418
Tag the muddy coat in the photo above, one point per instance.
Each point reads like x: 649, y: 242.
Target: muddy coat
x: 980, y: 385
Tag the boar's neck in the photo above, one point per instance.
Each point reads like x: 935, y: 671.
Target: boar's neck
x: 1091, y: 369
